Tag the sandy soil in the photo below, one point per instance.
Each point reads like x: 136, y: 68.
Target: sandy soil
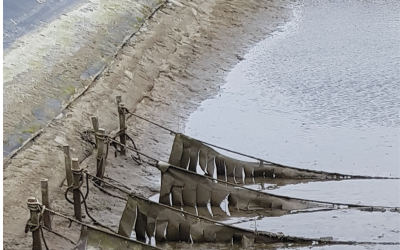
x: 177, y: 60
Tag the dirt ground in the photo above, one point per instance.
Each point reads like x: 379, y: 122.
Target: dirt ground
x: 178, y: 59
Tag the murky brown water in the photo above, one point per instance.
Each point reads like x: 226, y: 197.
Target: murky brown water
x: 322, y: 93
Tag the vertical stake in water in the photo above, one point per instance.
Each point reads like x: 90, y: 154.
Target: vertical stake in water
x: 95, y: 123
x: 34, y: 226
x: 67, y: 160
x: 100, y: 153
x: 77, y: 173
x: 122, y: 127
x: 46, y: 202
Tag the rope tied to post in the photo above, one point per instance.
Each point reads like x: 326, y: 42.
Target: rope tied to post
x: 35, y: 206
x: 78, y: 187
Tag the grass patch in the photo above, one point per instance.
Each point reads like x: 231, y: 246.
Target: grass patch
x: 70, y: 90
x: 32, y: 129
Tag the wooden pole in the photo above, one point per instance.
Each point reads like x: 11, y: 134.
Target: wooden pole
x: 119, y: 99
x: 67, y: 160
x: 122, y: 137
x: 33, y: 205
x: 100, y: 153
x: 95, y: 123
x: 77, y: 172
x: 46, y: 202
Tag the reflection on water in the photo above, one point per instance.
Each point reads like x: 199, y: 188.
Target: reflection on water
x: 323, y: 94
x: 346, y: 225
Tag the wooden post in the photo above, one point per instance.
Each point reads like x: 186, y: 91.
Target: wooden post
x: 122, y: 137
x: 67, y: 160
x: 77, y: 172
x: 119, y: 99
x: 33, y: 205
x: 95, y: 123
x: 46, y: 202
x: 100, y: 153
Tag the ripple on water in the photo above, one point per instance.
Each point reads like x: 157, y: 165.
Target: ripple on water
x: 324, y: 94
x: 343, y: 225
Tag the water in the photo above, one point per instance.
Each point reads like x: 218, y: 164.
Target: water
x: 322, y: 94
x: 21, y: 17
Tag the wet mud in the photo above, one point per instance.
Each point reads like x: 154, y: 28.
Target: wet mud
x: 163, y: 72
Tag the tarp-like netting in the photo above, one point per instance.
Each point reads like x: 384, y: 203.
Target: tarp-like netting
x: 204, y: 195
x: 183, y: 188
x: 188, y: 153
x: 191, y: 205
x: 163, y: 223
x: 93, y: 238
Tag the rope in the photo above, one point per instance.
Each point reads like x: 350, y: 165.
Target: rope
x: 80, y: 185
x: 114, y: 186
x: 93, y: 219
x: 137, y: 151
x: 137, y: 159
x: 287, y: 197
x: 320, y: 240
x: 234, y: 185
x: 35, y: 206
x: 256, y: 158
x: 44, y: 240
x: 158, y: 125
x: 105, y: 191
x: 59, y: 235
x: 84, y: 197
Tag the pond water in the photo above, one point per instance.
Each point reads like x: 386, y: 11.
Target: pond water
x: 21, y: 17
x: 322, y: 93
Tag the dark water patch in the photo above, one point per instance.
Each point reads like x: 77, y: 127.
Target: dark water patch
x: 21, y: 17
x: 58, y: 74
x: 15, y: 141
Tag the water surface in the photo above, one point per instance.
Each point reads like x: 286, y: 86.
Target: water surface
x: 322, y: 93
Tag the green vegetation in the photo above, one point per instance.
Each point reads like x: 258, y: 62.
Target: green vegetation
x: 32, y: 129
x: 70, y: 90
x: 139, y: 19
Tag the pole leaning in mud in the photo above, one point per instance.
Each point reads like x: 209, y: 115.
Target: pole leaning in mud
x: 77, y: 173
x: 34, y: 222
x: 46, y: 202
x: 122, y: 127
x: 95, y: 123
x: 100, y: 153
x: 67, y: 160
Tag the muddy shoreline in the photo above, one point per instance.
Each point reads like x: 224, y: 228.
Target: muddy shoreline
x: 178, y: 59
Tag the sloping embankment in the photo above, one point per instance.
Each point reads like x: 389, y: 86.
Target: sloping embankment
x: 178, y: 59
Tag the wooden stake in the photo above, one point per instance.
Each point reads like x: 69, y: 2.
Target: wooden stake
x: 122, y: 137
x: 119, y: 99
x: 95, y: 123
x: 46, y: 202
x: 77, y: 172
x: 67, y: 160
x: 33, y: 205
x: 100, y: 153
